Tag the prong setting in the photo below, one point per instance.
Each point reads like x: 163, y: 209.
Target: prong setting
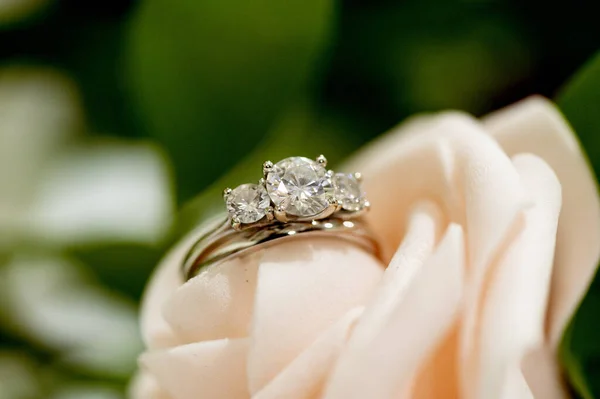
x: 321, y: 160
x: 270, y: 213
x: 280, y: 214
x: 267, y: 167
x: 236, y: 224
x: 335, y: 203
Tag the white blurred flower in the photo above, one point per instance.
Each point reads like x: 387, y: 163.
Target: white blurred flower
x: 59, y: 190
x: 103, y: 192
x: 39, y: 113
x: 54, y: 303
x: 62, y: 190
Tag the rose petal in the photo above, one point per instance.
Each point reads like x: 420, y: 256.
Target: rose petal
x: 384, y: 368
x: 304, y: 287
x: 209, y: 369
x: 438, y: 376
x: 304, y: 377
x: 513, y: 313
x: 515, y: 386
x: 221, y: 298
x: 393, y: 187
x: 424, y: 224
x: 536, y: 126
x: 454, y: 160
x: 167, y: 278
x: 467, y: 173
x: 156, y: 332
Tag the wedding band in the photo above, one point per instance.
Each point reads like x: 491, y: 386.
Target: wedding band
x: 297, y: 197
x: 223, y: 243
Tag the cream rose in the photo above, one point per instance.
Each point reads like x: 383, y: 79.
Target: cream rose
x: 491, y: 234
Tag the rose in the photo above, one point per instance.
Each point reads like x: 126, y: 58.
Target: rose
x: 492, y: 233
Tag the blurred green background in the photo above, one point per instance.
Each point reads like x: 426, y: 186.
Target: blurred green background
x: 116, y: 115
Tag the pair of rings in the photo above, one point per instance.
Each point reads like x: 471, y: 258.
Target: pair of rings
x: 296, y: 197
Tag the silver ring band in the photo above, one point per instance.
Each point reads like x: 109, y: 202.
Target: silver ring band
x: 223, y: 242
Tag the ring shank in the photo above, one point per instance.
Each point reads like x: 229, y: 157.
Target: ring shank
x: 223, y: 242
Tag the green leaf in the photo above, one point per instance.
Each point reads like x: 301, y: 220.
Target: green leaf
x: 579, y: 100
x: 413, y: 56
x: 209, y: 78
x: 579, y: 350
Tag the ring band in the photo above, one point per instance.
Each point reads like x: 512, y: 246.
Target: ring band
x: 296, y: 197
x: 223, y: 243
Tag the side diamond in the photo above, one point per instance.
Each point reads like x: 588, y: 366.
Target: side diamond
x: 347, y: 190
x: 247, y: 203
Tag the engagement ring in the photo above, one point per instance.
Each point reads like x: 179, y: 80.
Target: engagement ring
x: 295, y: 197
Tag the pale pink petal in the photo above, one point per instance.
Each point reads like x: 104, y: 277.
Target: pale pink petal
x: 304, y: 287
x: 424, y: 225
x: 156, y: 332
x: 424, y: 228
x: 207, y: 370
x: 404, y: 167
x: 144, y: 386
x: 414, y: 328
x: 514, y: 309
x: 215, y: 304
x: 515, y: 386
x: 446, y: 158
x: 305, y: 376
x: 438, y: 376
x: 493, y: 199
x: 536, y: 126
x: 452, y: 161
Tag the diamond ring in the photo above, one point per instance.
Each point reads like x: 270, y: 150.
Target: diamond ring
x: 295, y: 195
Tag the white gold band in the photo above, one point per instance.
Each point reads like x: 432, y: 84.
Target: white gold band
x: 223, y: 242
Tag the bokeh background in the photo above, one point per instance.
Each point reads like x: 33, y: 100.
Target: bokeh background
x: 120, y: 123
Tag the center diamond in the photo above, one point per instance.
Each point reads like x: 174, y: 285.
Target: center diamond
x: 299, y: 186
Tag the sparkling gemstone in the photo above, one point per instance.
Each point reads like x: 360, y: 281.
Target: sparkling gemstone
x: 248, y: 203
x: 348, y: 190
x: 299, y: 186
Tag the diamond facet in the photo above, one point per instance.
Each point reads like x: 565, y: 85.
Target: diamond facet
x: 349, y: 192
x: 299, y: 186
x: 248, y: 203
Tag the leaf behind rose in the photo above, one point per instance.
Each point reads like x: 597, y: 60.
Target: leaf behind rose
x: 579, y: 100
x: 580, y: 347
